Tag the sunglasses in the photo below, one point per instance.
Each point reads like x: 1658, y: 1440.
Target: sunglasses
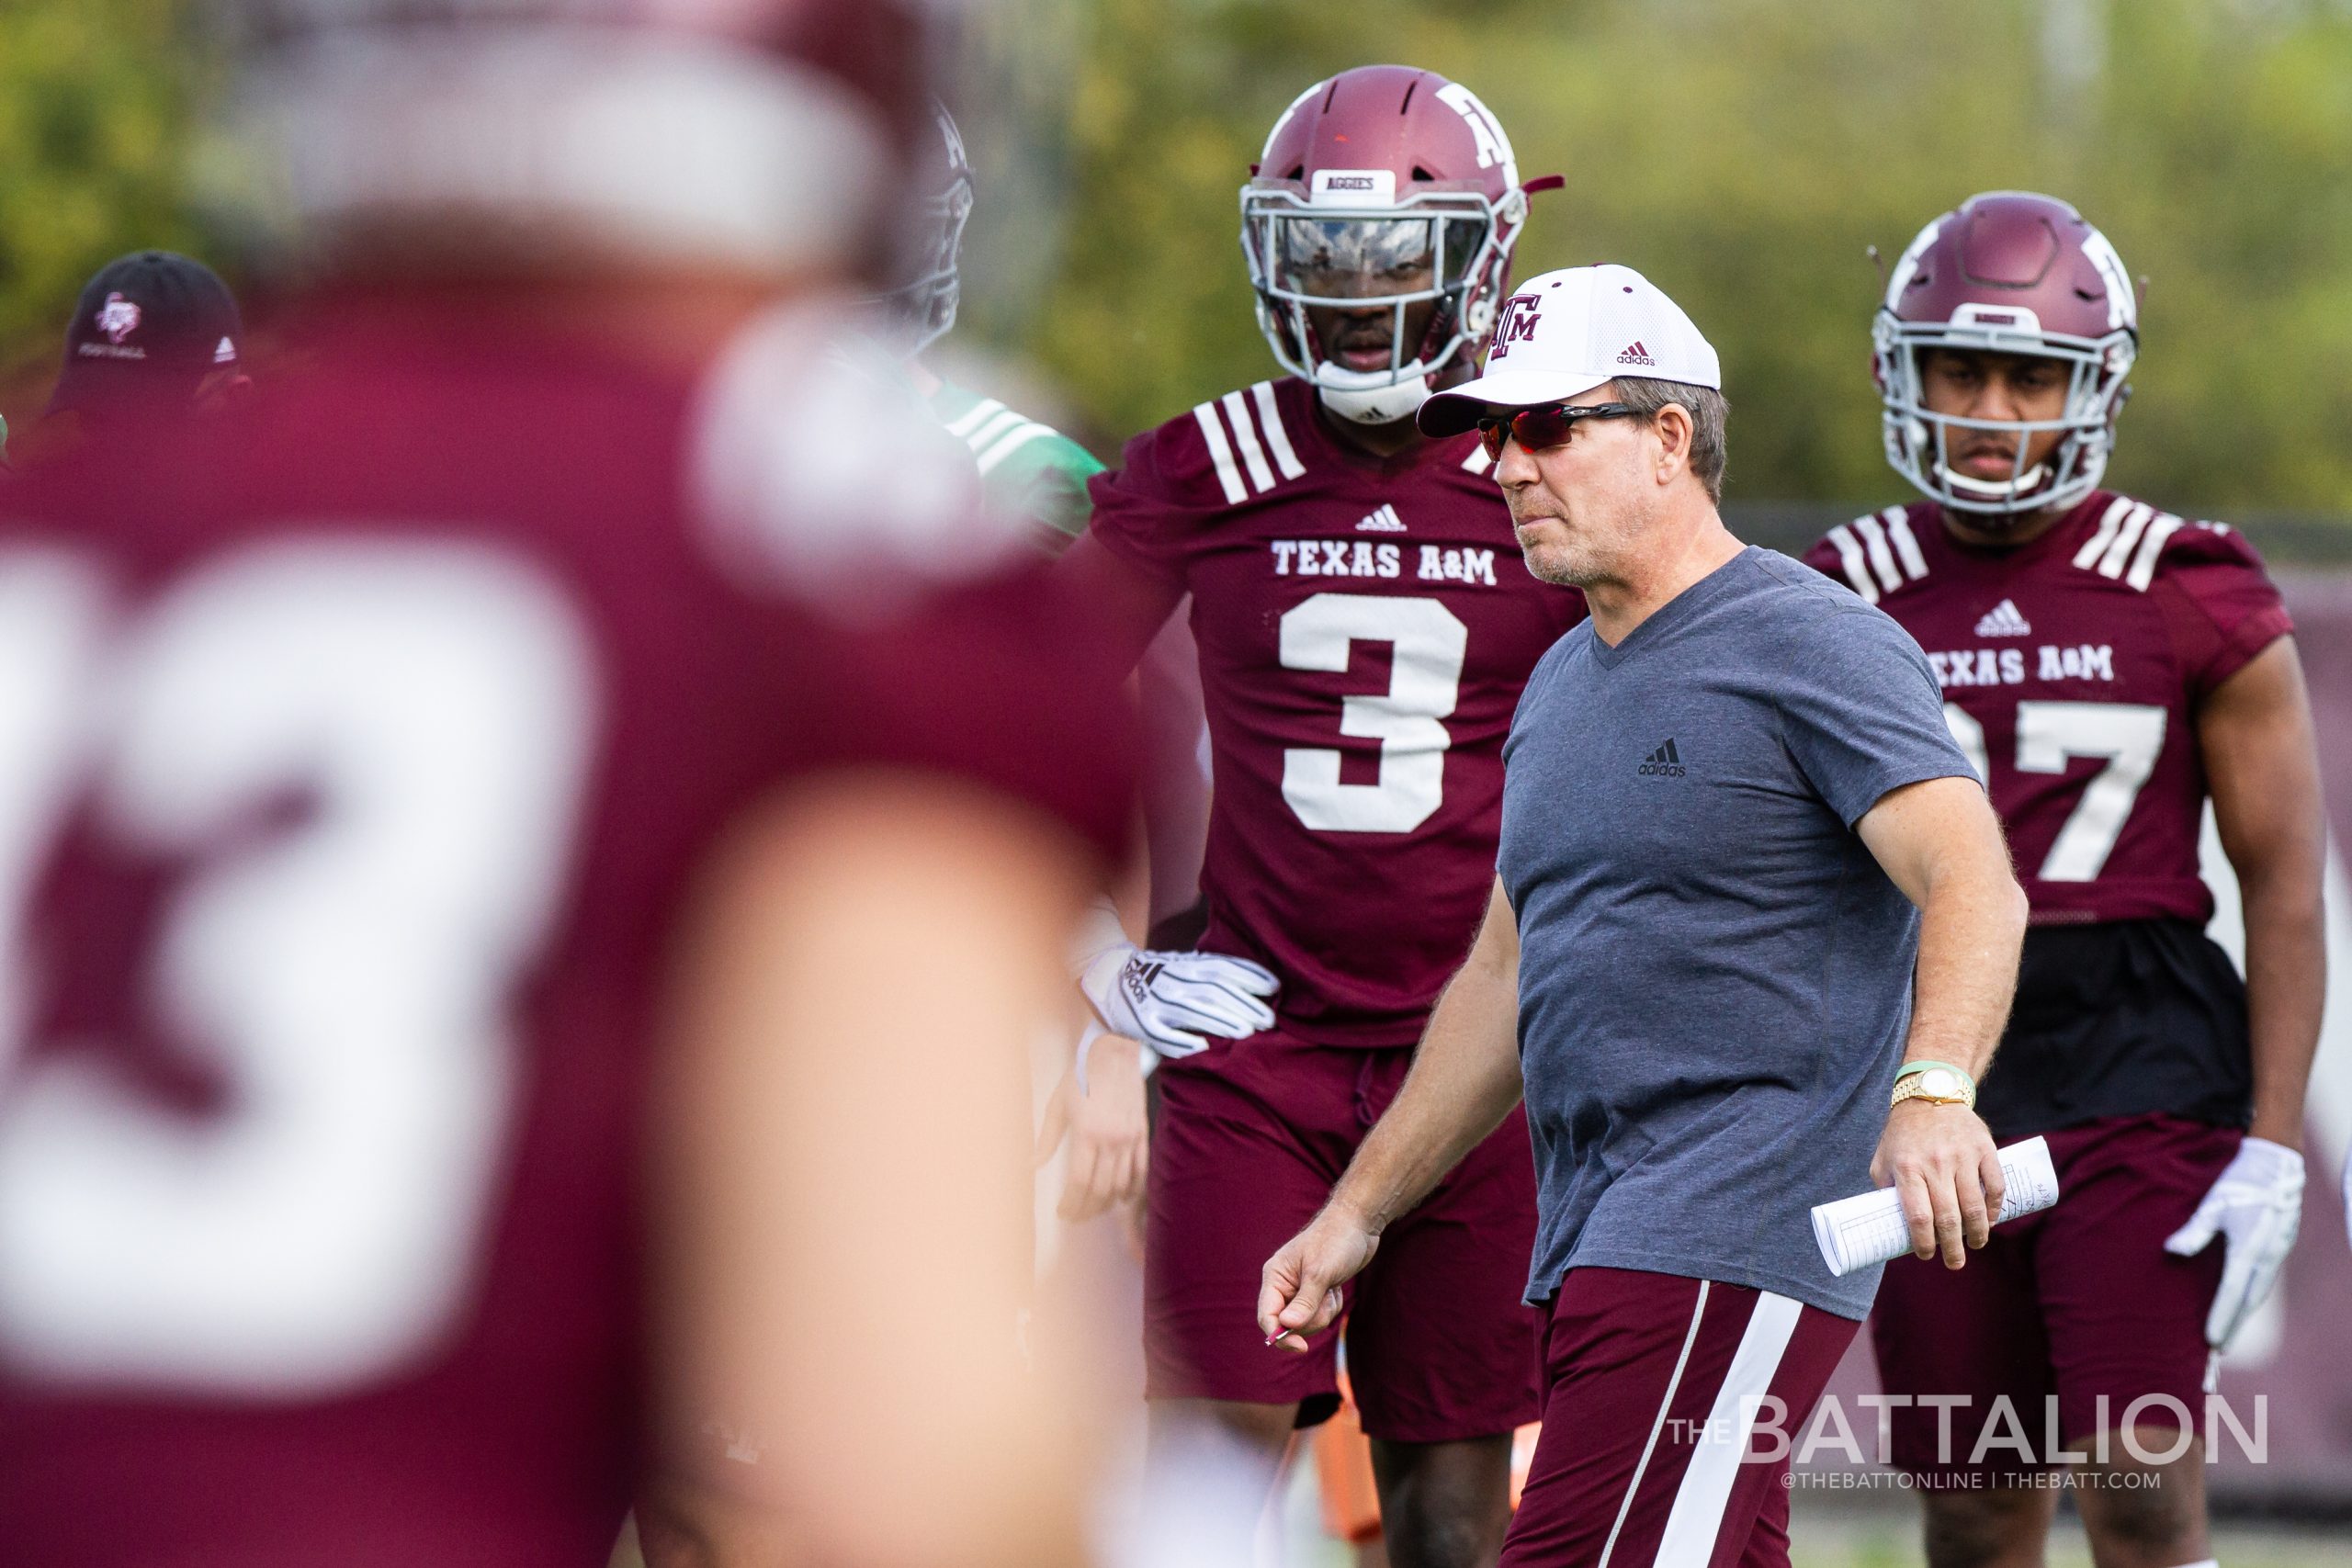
x: 1540, y: 430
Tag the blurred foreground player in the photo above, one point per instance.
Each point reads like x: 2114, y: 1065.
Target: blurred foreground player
x: 1365, y: 625
x: 379, y: 794
x: 2110, y: 666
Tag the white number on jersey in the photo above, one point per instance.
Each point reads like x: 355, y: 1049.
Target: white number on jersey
x: 2128, y: 734
x: 1424, y: 682
x: 349, y: 977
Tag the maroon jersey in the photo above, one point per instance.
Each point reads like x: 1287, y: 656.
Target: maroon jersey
x: 2072, y: 668
x: 1365, y: 628
x: 352, y: 776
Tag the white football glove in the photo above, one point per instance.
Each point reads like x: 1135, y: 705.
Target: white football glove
x: 1171, y: 1002
x: 2255, y: 1207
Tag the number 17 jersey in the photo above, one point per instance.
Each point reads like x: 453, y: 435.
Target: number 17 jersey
x: 1366, y: 626
x: 2072, y: 668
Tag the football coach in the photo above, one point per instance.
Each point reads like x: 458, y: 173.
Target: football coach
x: 1752, y: 941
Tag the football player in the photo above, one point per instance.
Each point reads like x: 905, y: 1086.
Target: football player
x: 1365, y: 625
x: 1034, y: 478
x: 1031, y: 474
x: 2112, y: 668
x: 377, y: 793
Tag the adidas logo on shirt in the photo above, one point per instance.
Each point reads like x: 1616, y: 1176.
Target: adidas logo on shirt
x: 1384, y: 520
x: 1665, y: 763
x: 2003, y: 620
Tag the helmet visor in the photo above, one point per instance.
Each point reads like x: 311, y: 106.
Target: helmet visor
x: 1337, y: 260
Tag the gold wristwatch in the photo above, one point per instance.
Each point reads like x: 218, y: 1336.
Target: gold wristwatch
x: 1938, y: 1083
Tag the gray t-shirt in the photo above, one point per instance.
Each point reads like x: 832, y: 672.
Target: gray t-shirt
x: 1714, y: 976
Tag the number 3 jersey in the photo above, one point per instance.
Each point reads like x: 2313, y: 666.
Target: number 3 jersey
x: 2072, y: 669
x: 355, y: 773
x: 1366, y: 626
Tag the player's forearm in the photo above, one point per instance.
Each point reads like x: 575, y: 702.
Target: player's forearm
x: 1972, y: 929
x: 1464, y: 1082
x: 2261, y: 761
x: 2286, y: 989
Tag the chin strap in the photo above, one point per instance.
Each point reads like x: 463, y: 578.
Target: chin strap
x: 1373, y: 396
x: 2005, y: 491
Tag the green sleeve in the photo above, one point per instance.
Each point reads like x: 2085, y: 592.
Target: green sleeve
x: 1042, y: 484
x: 1032, y: 476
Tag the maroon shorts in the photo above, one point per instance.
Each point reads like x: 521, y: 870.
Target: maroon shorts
x: 1662, y: 1445
x: 2070, y: 1314
x: 1250, y: 1138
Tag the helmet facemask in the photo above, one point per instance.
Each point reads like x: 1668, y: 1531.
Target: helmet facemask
x: 1917, y: 437
x: 919, y: 312
x: 1446, y: 249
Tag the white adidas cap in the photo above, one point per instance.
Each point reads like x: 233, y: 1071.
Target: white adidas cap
x: 1564, y: 333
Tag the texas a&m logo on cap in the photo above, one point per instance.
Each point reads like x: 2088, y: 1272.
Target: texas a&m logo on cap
x: 1517, y: 323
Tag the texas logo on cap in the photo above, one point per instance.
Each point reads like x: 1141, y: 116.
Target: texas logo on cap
x: 150, y: 324
x: 117, y: 318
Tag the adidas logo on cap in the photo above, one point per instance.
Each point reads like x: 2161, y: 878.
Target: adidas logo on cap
x: 1635, y: 354
x: 2003, y: 620
x: 1665, y: 763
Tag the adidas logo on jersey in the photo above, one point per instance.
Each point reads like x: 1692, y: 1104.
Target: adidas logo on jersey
x: 1635, y: 354
x: 1665, y: 763
x: 2003, y: 620
x: 1384, y: 520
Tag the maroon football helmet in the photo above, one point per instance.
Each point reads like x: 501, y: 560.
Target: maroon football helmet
x: 2008, y: 272
x: 1391, y: 185
x: 772, y: 135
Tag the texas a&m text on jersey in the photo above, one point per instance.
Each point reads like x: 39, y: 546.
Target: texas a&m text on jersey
x: 2071, y: 667
x: 1364, y: 626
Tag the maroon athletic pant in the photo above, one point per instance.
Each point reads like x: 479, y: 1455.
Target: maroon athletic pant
x: 1656, y: 1384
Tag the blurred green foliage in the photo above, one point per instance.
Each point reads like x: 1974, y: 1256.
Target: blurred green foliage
x: 1742, y: 153
x: 94, y: 115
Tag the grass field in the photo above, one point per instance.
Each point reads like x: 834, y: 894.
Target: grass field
x: 1830, y: 1536
x: 1872, y: 1535
x: 1890, y: 1539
